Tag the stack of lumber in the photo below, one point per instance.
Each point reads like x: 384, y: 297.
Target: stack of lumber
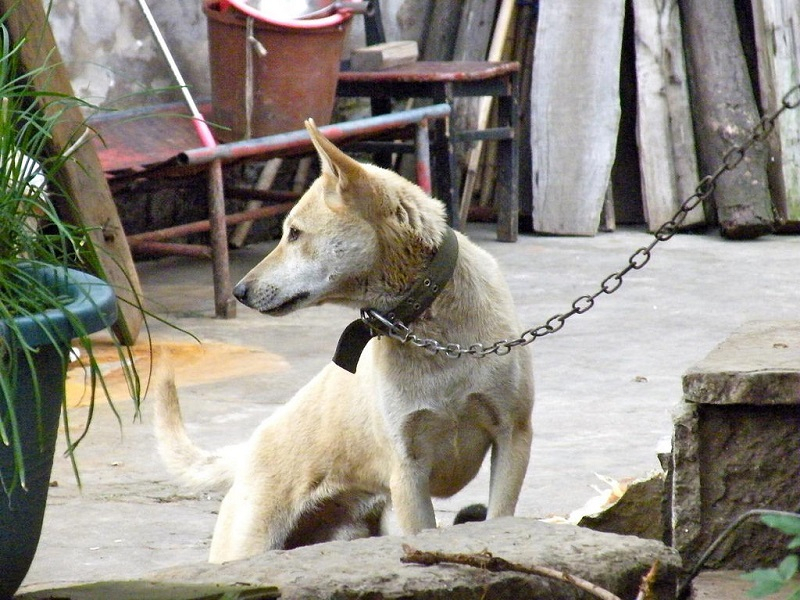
x: 697, y: 97
x: 703, y: 71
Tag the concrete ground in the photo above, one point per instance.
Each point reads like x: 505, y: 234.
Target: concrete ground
x: 606, y: 384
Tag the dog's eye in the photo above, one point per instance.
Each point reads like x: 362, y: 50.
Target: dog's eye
x: 293, y: 234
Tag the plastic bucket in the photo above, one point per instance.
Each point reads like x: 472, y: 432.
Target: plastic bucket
x: 295, y: 80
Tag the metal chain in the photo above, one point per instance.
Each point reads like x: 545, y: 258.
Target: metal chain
x: 381, y: 325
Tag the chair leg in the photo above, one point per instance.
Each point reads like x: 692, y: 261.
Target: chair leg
x: 224, y: 304
x: 423, y: 156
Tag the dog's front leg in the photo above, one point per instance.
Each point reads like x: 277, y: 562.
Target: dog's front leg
x: 411, y: 498
x: 510, y: 455
x: 409, y: 482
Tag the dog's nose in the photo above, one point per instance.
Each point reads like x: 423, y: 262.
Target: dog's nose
x: 240, y: 292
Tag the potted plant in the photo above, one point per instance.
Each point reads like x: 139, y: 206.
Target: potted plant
x: 47, y: 302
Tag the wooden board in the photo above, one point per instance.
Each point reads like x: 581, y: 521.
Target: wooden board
x: 383, y: 56
x: 575, y: 113
x: 724, y: 111
x: 777, y: 32
x: 440, y: 39
x: 472, y: 43
x: 82, y: 177
x: 665, y: 136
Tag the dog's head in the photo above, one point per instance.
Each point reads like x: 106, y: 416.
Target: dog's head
x: 340, y: 238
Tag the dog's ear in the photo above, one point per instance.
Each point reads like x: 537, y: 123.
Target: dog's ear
x: 346, y: 170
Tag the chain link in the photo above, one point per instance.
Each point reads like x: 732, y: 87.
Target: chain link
x: 731, y: 159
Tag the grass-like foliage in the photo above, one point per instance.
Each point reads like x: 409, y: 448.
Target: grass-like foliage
x: 33, y: 233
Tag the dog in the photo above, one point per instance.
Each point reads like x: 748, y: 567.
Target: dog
x: 408, y: 424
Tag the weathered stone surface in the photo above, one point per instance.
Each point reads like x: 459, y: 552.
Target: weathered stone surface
x: 371, y: 568
x: 150, y: 590
x: 735, y: 446
x: 759, y: 364
x: 638, y: 512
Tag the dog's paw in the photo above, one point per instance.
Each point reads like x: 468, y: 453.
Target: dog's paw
x: 470, y: 514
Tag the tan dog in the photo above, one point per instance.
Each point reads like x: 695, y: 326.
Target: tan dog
x: 408, y: 425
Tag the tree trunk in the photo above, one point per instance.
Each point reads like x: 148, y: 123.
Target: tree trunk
x: 724, y: 110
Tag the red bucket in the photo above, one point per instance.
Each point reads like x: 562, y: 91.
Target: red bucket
x: 295, y: 80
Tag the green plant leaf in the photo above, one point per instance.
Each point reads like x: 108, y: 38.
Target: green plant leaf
x: 788, y: 524
x: 788, y: 567
x: 765, y: 588
x: 770, y: 581
x: 758, y: 575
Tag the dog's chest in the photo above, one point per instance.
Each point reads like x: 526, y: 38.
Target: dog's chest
x: 450, y: 438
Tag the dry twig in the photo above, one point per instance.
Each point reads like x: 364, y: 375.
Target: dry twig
x: 486, y: 561
x: 648, y: 581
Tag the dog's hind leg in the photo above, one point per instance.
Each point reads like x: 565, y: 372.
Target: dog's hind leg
x: 251, y: 522
x: 510, y: 456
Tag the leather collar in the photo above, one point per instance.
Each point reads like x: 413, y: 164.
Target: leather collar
x: 418, y: 299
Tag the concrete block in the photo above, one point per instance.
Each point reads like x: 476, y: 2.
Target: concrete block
x: 736, y: 445
x: 371, y: 568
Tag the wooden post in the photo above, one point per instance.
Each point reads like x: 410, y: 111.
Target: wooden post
x: 724, y: 110
x: 575, y: 112
x: 667, y: 157
x: 82, y: 176
x: 777, y: 33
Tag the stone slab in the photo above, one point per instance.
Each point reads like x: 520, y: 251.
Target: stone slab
x: 153, y: 590
x: 758, y: 364
x: 371, y: 568
x: 736, y: 445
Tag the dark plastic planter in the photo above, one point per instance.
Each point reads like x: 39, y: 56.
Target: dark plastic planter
x: 93, y: 304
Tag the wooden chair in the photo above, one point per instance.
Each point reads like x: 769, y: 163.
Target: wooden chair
x: 442, y: 82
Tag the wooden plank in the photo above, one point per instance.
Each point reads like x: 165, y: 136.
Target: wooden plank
x: 383, y: 56
x: 724, y: 110
x: 82, y: 177
x: 475, y: 30
x: 574, y: 113
x: 442, y: 30
x: 526, y: 42
x: 495, y: 54
x: 265, y: 180
x: 665, y: 136
x: 472, y: 43
x: 777, y: 33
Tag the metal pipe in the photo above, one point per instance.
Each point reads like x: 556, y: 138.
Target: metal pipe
x: 199, y: 226
x: 200, y: 125
x: 300, y: 139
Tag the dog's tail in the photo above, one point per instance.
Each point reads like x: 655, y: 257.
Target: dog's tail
x: 194, y: 467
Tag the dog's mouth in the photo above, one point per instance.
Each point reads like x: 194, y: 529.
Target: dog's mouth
x: 287, y: 306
